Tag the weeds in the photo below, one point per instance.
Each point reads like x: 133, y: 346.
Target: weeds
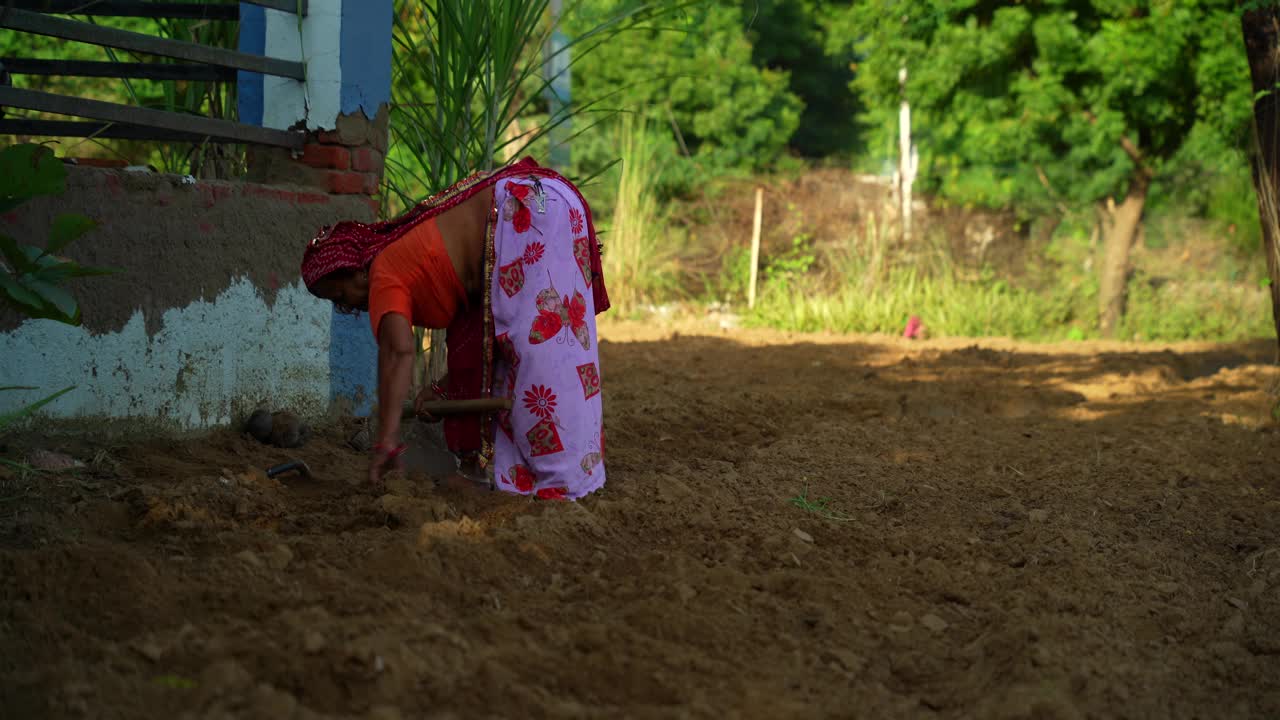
x: 818, y: 506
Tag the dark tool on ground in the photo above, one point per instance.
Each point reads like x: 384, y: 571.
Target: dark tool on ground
x: 290, y: 466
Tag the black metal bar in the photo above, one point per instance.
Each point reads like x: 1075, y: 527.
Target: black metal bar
x: 131, y: 8
x: 298, y: 6
x: 39, y: 24
x: 74, y: 128
x: 223, y: 130
x: 142, y: 70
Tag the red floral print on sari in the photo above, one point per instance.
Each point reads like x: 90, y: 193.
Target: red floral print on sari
x: 521, y: 477
x: 544, y: 439
x: 552, y: 493
x: 511, y: 278
x: 516, y: 209
x: 533, y: 252
x: 556, y: 314
x: 540, y: 401
x: 582, y: 253
x: 590, y: 378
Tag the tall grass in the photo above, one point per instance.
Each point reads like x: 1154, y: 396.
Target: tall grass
x: 868, y: 289
x: 637, y: 263
x: 464, y: 72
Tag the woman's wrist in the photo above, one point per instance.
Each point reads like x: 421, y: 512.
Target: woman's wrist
x: 391, y: 450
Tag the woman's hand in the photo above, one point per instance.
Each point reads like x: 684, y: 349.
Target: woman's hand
x: 383, y: 459
x: 430, y: 393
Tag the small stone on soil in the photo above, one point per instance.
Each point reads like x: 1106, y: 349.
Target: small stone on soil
x: 802, y: 535
x: 313, y: 642
x: 1237, y: 603
x: 686, y: 592
x: 248, y: 557
x: 52, y: 461
x: 1038, y: 515
x: 148, y: 649
x: 934, y: 623
x: 843, y: 658
x: 279, y: 557
x: 1234, y: 626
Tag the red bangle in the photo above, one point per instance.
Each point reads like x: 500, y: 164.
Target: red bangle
x: 392, y: 453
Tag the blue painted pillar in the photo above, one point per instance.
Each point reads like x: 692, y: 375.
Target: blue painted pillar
x: 253, y: 39
x: 346, y: 46
x: 353, y: 363
x: 365, y: 89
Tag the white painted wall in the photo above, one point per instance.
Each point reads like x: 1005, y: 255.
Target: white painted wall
x: 286, y: 101
x: 208, y: 358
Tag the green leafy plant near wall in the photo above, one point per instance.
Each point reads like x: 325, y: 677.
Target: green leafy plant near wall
x: 31, y: 277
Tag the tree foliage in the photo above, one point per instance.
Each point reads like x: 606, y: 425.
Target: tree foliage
x: 1058, y: 101
x: 793, y: 36
x: 693, y: 71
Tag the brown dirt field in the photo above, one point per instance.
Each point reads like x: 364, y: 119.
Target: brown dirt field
x: 1011, y: 531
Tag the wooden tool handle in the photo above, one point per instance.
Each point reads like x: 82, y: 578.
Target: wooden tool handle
x: 440, y: 408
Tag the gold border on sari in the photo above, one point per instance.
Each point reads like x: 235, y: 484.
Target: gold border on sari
x: 486, y: 348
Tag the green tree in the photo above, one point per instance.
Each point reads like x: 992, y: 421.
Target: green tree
x: 1054, y: 102
x: 693, y: 71
x: 792, y: 36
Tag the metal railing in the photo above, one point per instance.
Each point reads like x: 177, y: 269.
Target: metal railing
x: 116, y: 120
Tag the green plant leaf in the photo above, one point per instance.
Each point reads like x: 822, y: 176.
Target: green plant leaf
x: 175, y: 682
x: 22, y: 298
x: 20, y: 467
x: 53, y: 268
x: 60, y: 305
x: 9, y: 418
x: 27, y: 171
x: 15, y: 255
x: 63, y: 269
x: 66, y: 228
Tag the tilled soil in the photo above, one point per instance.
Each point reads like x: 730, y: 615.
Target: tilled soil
x: 794, y: 526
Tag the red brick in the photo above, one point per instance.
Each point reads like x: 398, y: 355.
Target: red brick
x: 309, y: 198
x: 352, y: 183
x: 366, y: 159
x: 345, y: 183
x: 375, y: 205
x: 329, y: 137
x: 277, y: 194
x: 332, y: 157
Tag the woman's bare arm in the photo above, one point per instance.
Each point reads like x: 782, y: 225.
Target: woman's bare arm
x: 395, y: 374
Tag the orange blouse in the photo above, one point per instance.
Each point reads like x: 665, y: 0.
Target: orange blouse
x: 413, y: 276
